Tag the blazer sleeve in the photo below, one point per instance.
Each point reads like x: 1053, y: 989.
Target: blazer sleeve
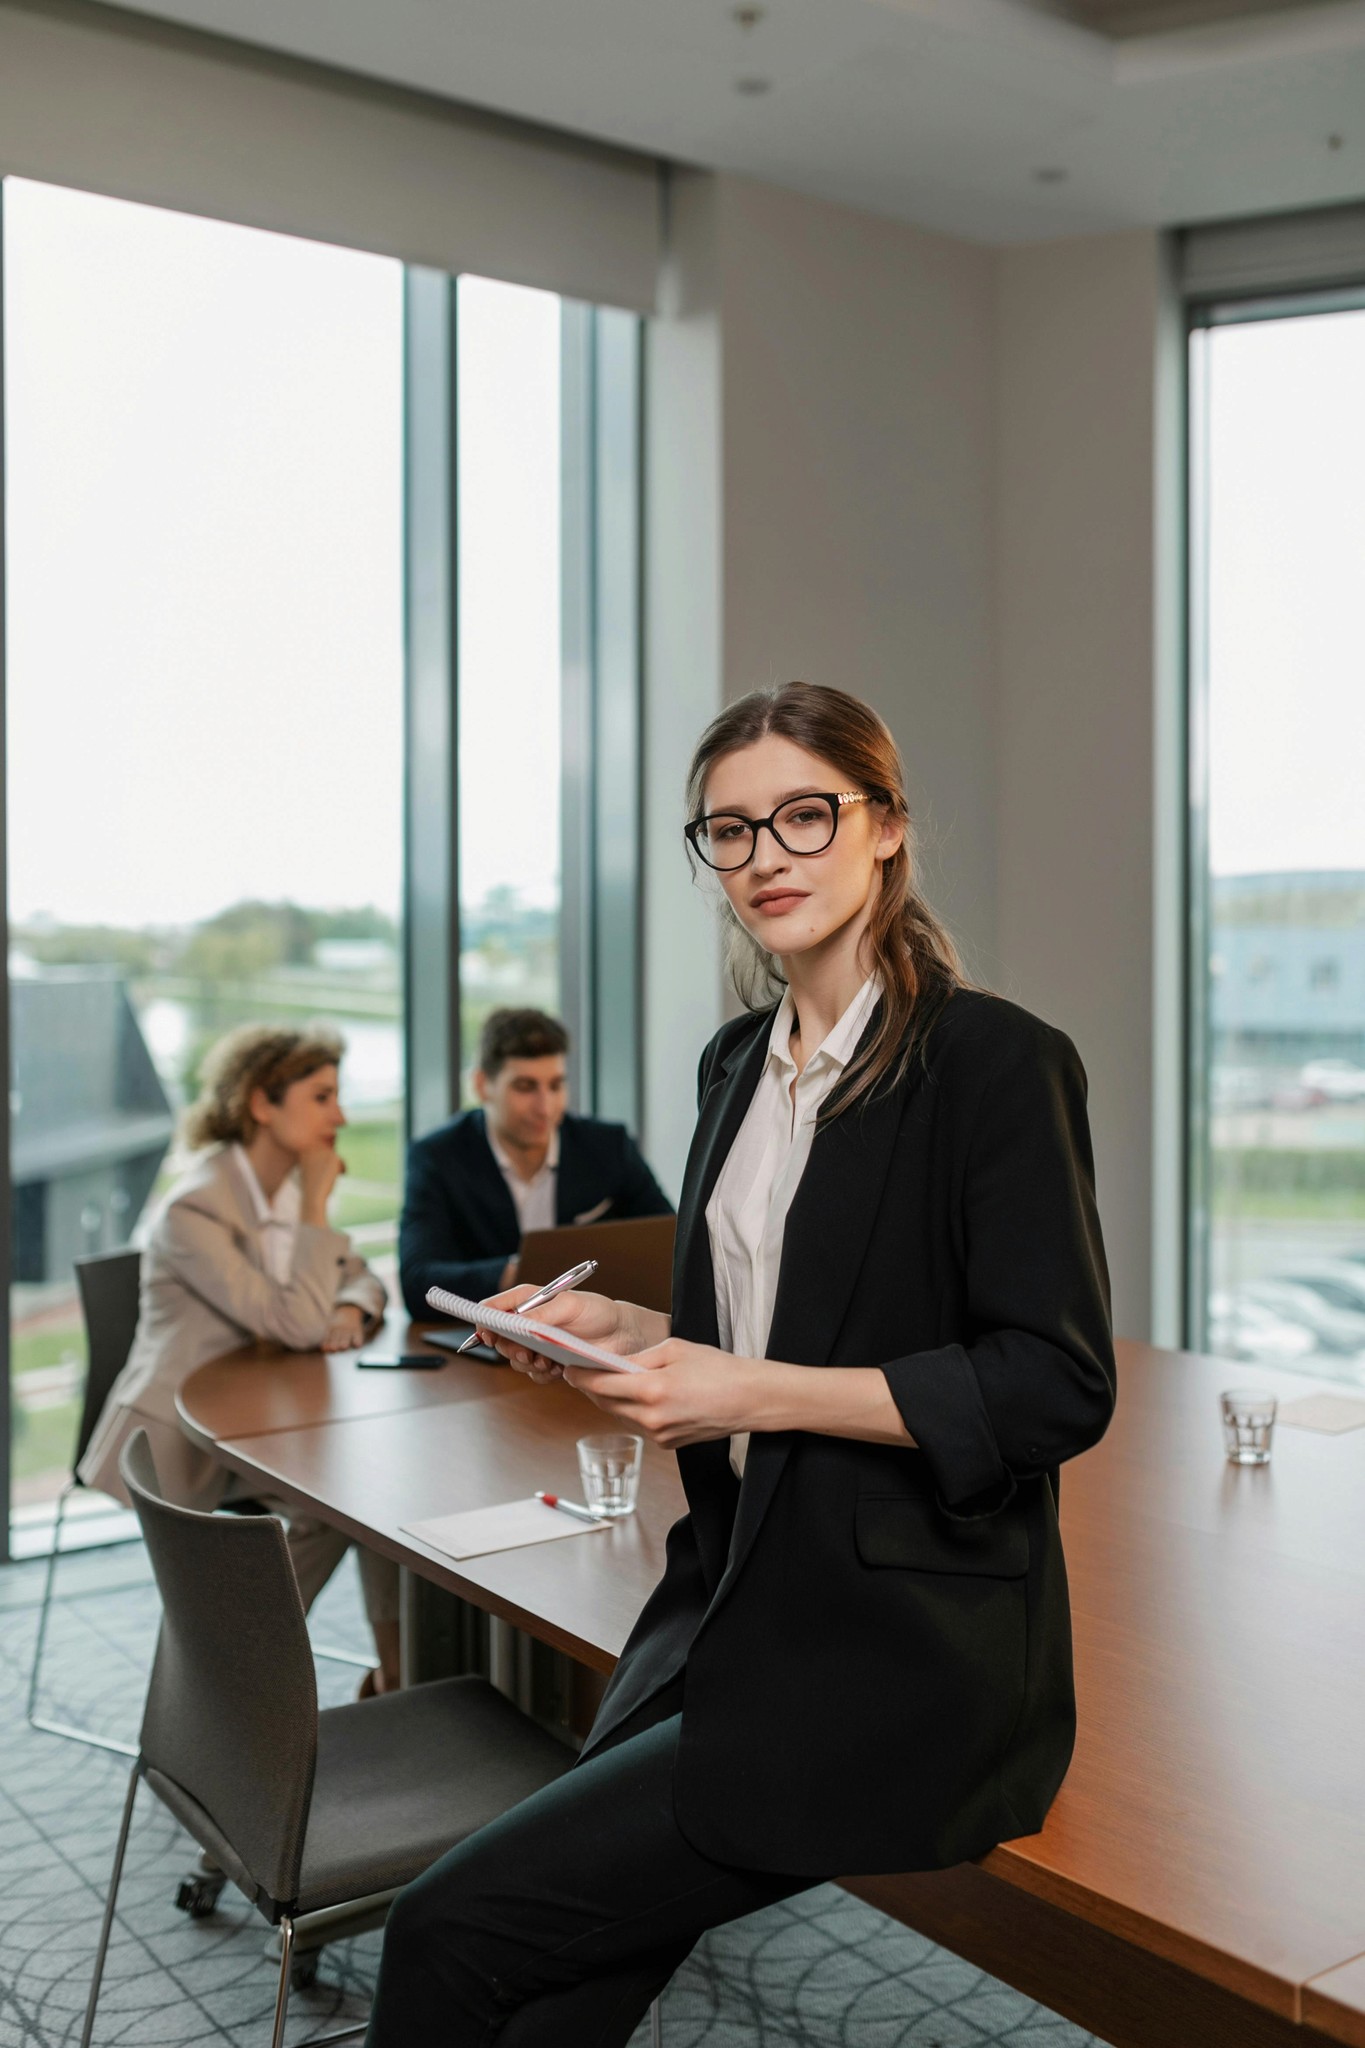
x: 1036, y: 1384
x: 433, y: 1248
x: 362, y: 1289
x: 203, y: 1252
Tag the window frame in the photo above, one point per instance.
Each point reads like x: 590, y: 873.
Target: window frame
x: 1206, y: 311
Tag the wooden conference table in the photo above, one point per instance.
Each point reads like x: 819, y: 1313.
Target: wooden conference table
x: 1200, y: 1882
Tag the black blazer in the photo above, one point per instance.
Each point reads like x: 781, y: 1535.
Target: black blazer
x: 459, y: 1224
x: 871, y: 1646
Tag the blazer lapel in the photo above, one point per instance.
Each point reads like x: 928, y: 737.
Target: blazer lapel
x: 493, y: 1196
x: 722, y: 1112
x: 576, y: 1189
x: 823, y: 1247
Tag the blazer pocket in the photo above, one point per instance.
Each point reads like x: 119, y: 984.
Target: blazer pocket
x: 597, y: 1211
x: 911, y: 1535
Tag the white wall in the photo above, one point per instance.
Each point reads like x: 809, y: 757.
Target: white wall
x: 830, y: 517
x: 928, y: 472
x: 1077, y: 351
x: 858, y: 430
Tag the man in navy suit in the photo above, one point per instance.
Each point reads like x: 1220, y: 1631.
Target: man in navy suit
x: 480, y: 1181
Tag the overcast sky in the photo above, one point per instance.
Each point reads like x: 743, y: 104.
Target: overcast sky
x: 205, y: 580
x: 205, y: 576
x: 1287, y: 594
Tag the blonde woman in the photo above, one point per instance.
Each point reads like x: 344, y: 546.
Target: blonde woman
x: 240, y: 1248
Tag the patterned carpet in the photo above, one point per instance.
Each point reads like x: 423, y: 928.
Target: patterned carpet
x: 821, y: 1971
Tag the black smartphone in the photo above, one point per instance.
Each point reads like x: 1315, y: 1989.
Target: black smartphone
x: 419, y: 1361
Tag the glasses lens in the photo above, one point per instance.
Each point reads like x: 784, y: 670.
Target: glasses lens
x: 725, y: 842
x: 806, y: 825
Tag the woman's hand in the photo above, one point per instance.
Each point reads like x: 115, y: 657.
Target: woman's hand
x: 618, y: 1326
x: 320, y: 1168
x: 687, y: 1394
x: 346, y: 1329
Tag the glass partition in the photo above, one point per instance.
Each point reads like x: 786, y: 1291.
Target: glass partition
x: 1278, y: 1168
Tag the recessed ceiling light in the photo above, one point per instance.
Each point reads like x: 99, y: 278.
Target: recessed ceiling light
x: 1051, y: 174
x: 753, y: 88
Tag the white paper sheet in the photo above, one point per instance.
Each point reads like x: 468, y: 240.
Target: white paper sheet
x: 508, y: 1526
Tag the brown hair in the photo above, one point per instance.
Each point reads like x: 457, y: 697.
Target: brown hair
x: 254, y: 1056
x: 519, y: 1035
x: 913, y: 954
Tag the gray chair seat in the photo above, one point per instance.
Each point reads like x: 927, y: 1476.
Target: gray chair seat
x: 402, y: 1778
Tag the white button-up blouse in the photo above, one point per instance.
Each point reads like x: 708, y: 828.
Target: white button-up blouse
x: 746, y: 1216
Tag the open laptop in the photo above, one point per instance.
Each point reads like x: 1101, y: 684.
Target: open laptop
x: 634, y: 1263
x: 634, y: 1258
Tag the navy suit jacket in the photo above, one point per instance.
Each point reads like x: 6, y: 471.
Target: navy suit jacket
x: 459, y: 1224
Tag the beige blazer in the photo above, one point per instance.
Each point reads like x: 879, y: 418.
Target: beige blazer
x: 205, y: 1290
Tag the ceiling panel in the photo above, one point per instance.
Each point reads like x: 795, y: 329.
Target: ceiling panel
x: 997, y: 120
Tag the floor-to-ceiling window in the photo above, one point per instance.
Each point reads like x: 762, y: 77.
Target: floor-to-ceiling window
x: 1278, y: 702
x: 204, y: 507
x: 508, y: 451
x: 249, y: 595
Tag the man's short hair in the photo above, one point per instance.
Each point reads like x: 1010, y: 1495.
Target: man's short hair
x: 519, y: 1035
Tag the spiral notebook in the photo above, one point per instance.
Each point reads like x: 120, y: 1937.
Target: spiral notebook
x: 560, y: 1345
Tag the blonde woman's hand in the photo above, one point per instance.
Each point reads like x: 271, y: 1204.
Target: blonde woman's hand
x: 320, y: 1168
x: 346, y: 1329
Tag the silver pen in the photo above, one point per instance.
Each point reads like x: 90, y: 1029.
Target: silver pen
x: 551, y: 1287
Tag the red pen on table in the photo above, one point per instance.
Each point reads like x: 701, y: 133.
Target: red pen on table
x: 568, y: 1507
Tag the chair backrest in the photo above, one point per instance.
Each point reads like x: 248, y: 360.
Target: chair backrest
x: 108, y: 1287
x: 231, y: 1718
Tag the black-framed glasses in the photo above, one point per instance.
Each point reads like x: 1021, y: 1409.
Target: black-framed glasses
x: 727, y: 840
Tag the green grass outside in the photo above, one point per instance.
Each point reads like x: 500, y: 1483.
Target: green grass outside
x: 374, y: 1151
x: 1266, y: 1185
x: 43, y: 1442
x: 1301, y: 1205
x: 31, y: 1350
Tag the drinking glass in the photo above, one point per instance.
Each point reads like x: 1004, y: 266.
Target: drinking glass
x: 1248, y: 1420
x: 610, y: 1470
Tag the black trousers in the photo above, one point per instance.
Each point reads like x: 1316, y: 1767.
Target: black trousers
x: 561, y: 1921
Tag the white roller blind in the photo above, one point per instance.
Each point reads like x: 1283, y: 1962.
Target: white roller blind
x: 136, y: 110
x: 1232, y: 259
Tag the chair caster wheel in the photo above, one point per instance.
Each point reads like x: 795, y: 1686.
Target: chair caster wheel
x: 303, y: 1972
x: 198, y: 1895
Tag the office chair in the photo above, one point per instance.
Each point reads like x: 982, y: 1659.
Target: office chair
x: 108, y: 1285
x: 108, y: 1288
x: 318, y: 1818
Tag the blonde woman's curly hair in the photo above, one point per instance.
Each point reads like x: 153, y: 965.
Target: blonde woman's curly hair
x: 254, y: 1056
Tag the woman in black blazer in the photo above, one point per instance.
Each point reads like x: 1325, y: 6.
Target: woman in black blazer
x: 859, y: 1655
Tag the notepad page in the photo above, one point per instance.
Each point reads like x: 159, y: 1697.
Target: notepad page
x: 511, y: 1525
x: 560, y: 1345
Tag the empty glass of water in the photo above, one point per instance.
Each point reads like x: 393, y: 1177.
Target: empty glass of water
x: 1248, y: 1420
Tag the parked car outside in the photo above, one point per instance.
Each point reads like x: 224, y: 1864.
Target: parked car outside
x: 1242, y: 1329
x: 1338, y: 1330
x: 1340, y: 1283
x: 1335, y: 1079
